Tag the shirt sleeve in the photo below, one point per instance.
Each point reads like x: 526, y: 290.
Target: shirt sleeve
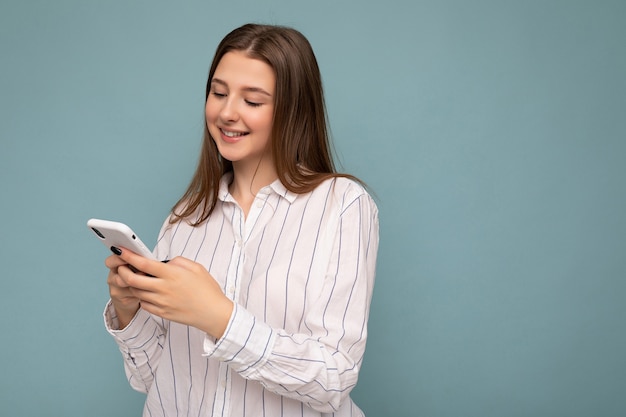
x: 141, y: 344
x: 319, y: 368
x: 141, y: 341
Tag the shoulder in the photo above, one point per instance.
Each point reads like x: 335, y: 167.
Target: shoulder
x: 347, y: 185
x: 345, y: 192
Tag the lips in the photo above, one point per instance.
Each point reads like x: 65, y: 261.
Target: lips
x: 232, y: 136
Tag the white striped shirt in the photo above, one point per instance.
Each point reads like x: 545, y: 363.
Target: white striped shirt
x: 300, y: 269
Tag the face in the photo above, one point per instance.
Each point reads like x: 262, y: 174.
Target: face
x: 239, y: 109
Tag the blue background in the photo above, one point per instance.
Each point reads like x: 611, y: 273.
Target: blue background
x: 493, y: 134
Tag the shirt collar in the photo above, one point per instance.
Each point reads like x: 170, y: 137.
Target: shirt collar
x: 282, y: 191
x: 277, y: 187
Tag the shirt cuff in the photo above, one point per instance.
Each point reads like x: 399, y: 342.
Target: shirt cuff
x: 135, y: 334
x: 246, y: 344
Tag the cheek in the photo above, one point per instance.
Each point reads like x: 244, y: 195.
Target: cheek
x: 210, y: 111
x: 211, y: 115
x: 262, y: 120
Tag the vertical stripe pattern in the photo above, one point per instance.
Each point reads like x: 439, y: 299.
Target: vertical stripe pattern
x: 301, y: 270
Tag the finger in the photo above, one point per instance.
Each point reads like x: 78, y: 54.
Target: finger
x: 120, y: 293
x: 148, y: 266
x: 137, y: 280
x: 115, y: 280
x: 143, y: 295
x: 113, y: 261
x: 187, y: 264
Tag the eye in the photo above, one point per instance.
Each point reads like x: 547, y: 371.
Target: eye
x: 217, y: 92
x: 252, y: 103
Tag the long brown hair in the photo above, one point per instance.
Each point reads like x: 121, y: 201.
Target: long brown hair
x: 300, y: 139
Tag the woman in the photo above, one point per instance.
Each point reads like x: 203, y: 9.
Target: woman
x: 262, y: 308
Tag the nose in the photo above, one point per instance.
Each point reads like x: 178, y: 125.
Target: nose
x: 228, y: 111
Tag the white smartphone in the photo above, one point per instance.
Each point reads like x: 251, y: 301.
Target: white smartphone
x: 115, y: 235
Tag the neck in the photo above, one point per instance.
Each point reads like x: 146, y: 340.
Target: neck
x: 248, y: 179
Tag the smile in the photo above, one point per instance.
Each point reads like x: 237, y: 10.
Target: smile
x: 232, y: 134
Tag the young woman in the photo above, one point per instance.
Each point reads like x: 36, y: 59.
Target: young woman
x: 262, y: 308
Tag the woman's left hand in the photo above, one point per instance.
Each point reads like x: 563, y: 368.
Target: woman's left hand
x: 180, y: 290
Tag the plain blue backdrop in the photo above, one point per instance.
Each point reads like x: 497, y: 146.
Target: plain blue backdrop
x: 493, y: 134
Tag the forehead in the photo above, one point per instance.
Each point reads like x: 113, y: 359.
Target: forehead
x: 238, y: 71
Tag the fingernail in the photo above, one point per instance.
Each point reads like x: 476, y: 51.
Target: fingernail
x: 116, y: 250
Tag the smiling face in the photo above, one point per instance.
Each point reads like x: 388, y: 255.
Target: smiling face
x: 240, y: 109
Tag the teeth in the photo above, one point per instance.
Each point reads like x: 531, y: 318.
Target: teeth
x: 232, y: 134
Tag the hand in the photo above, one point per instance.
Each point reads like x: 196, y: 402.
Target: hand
x: 180, y: 290
x: 124, y: 302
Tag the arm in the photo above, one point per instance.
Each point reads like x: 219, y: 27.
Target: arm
x: 320, y: 365
x: 138, y: 335
x: 141, y: 344
x: 316, y: 364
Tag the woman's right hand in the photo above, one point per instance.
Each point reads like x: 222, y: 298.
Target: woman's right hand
x: 126, y: 305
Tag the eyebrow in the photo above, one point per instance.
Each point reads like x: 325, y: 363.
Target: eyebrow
x: 248, y: 89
